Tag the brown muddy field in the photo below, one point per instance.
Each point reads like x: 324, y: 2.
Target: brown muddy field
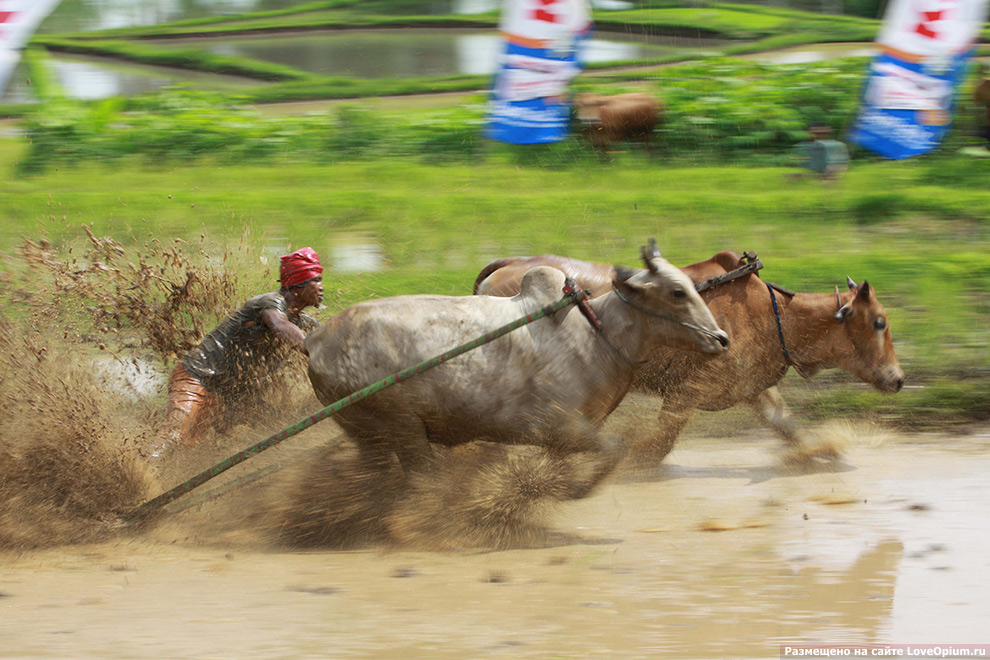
x: 722, y: 551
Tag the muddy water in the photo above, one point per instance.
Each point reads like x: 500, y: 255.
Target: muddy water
x: 721, y: 552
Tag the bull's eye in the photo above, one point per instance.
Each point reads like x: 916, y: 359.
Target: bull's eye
x: 880, y: 324
x: 678, y: 293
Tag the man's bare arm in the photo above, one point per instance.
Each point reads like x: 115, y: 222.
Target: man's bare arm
x: 283, y: 328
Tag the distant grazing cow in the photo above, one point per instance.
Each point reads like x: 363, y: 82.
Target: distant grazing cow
x: 817, y: 331
x: 982, y: 96
x: 551, y: 383
x: 610, y: 119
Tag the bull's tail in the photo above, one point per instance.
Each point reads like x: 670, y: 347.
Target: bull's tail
x: 489, y: 269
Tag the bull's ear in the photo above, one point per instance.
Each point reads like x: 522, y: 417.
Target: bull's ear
x: 865, y: 291
x: 622, y: 273
x: 844, y: 312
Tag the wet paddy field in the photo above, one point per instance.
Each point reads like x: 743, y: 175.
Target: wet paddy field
x: 722, y: 551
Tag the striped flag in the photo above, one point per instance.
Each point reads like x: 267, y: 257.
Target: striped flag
x: 925, y: 46
x: 541, y: 54
x: 18, y: 20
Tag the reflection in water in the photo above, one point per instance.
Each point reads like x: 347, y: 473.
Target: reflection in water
x: 814, y: 53
x: 87, y: 81
x: 358, y: 53
x: 410, y: 53
x: 355, y: 253
x: 94, y: 79
x: 803, y: 602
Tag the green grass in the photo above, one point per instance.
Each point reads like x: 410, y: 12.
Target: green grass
x: 436, y: 226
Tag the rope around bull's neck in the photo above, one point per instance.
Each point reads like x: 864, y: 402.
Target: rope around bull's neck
x: 780, y: 333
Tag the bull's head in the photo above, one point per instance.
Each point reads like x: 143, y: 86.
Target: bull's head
x: 870, y: 355
x: 676, y: 313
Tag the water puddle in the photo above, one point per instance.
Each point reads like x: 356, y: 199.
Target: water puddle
x: 91, y: 79
x: 356, y: 253
x: 814, y: 53
x: 131, y: 379
x: 412, y: 53
x: 356, y: 53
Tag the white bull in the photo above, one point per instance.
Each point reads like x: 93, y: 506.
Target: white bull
x: 551, y: 383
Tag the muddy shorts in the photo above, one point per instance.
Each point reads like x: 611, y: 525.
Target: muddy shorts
x: 191, y: 407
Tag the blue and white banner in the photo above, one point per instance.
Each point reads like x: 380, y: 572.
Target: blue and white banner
x: 18, y: 20
x: 542, y: 53
x: 925, y: 46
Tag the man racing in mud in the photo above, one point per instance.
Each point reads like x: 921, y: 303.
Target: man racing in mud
x: 229, y: 363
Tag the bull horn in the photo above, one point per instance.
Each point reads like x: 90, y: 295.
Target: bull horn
x: 864, y: 291
x: 648, y: 259
x: 650, y: 253
x: 654, y: 250
x: 850, y: 282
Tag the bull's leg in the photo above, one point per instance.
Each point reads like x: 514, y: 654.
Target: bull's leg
x: 379, y: 436
x: 770, y: 407
x: 651, y: 449
x: 590, y: 455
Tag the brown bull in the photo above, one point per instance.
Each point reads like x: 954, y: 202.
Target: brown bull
x: 817, y: 331
x: 609, y: 119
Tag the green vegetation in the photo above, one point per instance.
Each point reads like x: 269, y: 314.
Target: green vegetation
x: 718, y: 110
x: 439, y: 224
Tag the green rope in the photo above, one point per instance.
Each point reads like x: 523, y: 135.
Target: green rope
x: 572, y: 295
x: 233, y: 484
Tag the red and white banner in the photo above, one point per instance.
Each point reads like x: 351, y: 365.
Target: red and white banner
x: 18, y: 20
x: 542, y: 44
x: 925, y: 47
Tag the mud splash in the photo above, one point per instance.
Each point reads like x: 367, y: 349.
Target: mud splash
x: 95, y: 326
x: 86, y: 332
x: 65, y: 477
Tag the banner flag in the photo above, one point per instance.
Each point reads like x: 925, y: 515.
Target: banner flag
x: 18, y: 20
x: 925, y: 46
x: 542, y: 53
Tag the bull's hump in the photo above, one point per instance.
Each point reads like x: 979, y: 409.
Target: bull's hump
x: 541, y: 285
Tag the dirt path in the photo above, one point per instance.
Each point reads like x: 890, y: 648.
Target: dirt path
x: 721, y: 552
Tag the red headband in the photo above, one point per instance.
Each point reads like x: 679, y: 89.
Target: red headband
x: 300, y: 266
